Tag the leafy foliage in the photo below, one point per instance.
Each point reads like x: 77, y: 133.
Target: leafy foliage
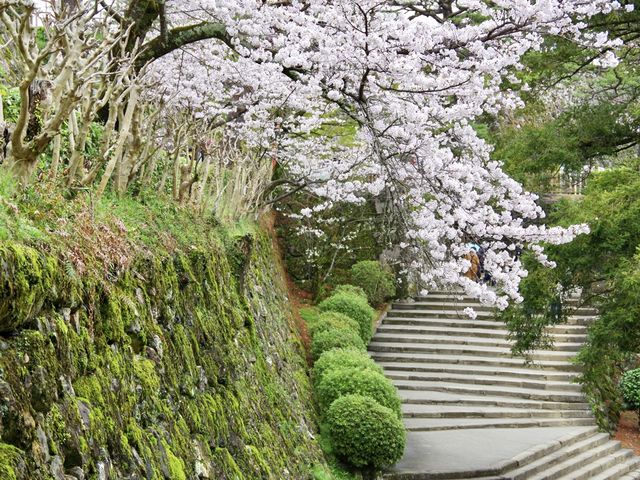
x: 366, y: 382
x: 605, y: 265
x: 334, y: 239
x: 374, y: 279
x: 335, y: 338
x: 630, y: 385
x: 353, y: 306
x: 333, y: 321
x: 364, y: 433
x: 340, y: 358
x: 347, y: 288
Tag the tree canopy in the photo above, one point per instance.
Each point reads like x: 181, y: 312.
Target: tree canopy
x: 180, y: 84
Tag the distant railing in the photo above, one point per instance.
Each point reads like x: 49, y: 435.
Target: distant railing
x: 568, y: 183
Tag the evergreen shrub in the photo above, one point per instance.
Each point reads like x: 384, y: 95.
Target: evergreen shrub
x: 346, y: 288
x: 630, y: 386
x: 353, y: 306
x: 343, y: 358
x: 376, y: 281
x: 364, y: 433
x: 348, y: 381
x: 333, y: 320
x: 335, y: 338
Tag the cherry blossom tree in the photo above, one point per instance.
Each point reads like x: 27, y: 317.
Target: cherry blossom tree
x: 405, y: 80
x: 413, y: 76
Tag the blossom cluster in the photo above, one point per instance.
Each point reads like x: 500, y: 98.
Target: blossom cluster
x: 405, y: 82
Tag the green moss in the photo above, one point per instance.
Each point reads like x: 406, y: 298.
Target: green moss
x: 10, y: 457
x: 56, y: 427
x: 174, y: 464
x: 182, y: 346
x: 27, y: 283
x: 145, y: 372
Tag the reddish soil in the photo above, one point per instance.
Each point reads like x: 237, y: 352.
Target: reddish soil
x: 628, y: 432
x: 298, y: 298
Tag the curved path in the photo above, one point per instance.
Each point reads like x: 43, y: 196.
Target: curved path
x: 473, y: 411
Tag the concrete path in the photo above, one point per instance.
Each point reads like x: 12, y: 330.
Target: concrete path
x: 473, y: 411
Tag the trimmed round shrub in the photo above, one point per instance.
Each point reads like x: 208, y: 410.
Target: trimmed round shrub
x: 335, y: 320
x: 335, y: 338
x: 630, y: 386
x: 376, y: 281
x: 353, y: 306
x: 343, y: 358
x: 364, y: 433
x: 346, y: 288
x: 347, y: 381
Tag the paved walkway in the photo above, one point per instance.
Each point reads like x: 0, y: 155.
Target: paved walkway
x: 473, y: 411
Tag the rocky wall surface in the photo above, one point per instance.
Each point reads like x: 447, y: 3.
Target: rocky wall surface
x: 184, y: 366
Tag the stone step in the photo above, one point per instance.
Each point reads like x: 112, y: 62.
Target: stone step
x: 480, y: 322
x: 459, y: 359
x: 383, y: 336
x: 556, y: 456
x: 453, y: 411
x: 529, y: 373
x: 452, y: 313
x: 632, y: 475
x: 567, y: 329
x: 571, y: 464
x: 433, y: 424
x: 466, y: 332
x: 428, y: 329
x: 580, y: 320
x: 590, y: 311
x: 621, y: 471
x: 471, y: 399
x: 527, y: 393
x: 451, y: 349
x: 598, y: 466
x: 443, y: 322
x: 482, y: 380
x: 442, y: 305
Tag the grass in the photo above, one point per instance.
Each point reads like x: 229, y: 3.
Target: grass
x: 310, y: 315
x: 93, y: 235
x: 336, y: 470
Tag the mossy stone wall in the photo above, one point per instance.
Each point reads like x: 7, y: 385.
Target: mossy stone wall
x: 184, y: 366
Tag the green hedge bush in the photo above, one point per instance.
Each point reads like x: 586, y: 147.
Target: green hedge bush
x: 347, y: 381
x: 335, y: 338
x: 346, y: 288
x: 353, y: 306
x: 630, y: 386
x: 343, y: 358
x: 333, y: 320
x: 376, y: 281
x: 364, y: 433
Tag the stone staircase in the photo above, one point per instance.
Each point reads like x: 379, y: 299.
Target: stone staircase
x: 472, y: 410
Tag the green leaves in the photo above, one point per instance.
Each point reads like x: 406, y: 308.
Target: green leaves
x: 376, y: 281
x: 630, y: 386
x: 353, y: 306
x: 365, y: 433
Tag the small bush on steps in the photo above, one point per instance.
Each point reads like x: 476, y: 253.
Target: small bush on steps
x: 353, y: 306
x: 343, y: 358
x: 365, y: 434
x: 333, y: 320
x: 375, y: 280
x: 347, y: 381
x: 335, y: 338
x: 346, y: 288
x: 630, y: 386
